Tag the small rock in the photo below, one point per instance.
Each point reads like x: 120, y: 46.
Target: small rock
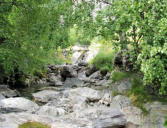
x: 73, y: 82
x: 51, y: 111
x: 46, y: 95
x: 91, y: 70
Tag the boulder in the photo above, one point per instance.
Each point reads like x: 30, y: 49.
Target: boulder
x: 88, y: 93
x: 110, y: 119
x: 17, y: 105
x: 46, y: 95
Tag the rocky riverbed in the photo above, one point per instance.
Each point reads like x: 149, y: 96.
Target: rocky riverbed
x: 74, y: 96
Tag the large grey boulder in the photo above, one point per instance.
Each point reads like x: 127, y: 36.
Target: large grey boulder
x: 17, y: 105
x: 88, y: 93
x: 46, y: 95
x: 110, y: 119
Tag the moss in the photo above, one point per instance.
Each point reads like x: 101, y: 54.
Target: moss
x: 117, y: 76
x: 34, y: 125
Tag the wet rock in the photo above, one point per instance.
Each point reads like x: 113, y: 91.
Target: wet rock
x: 17, y: 104
x: 46, y: 95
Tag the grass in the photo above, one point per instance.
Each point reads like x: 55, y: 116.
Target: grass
x: 165, y: 123
x: 117, y: 76
x: 34, y: 125
x: 104, y: 60
x: 138, y: 94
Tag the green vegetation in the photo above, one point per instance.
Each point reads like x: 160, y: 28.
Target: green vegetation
x: 104, y: 59
x: 165, y: 124
x: 118, y: 75
x: 32, y: 31
x: 138, y: 94
x: 33, y: 125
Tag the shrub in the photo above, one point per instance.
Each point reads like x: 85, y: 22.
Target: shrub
x: 33, y: 125
x: 104, y: 60
x: 117, y: 76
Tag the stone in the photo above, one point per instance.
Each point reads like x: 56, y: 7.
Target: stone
x: 95, y: 75
x: 82, y: 63
x: 133, y: 116
x: 76, y: 56
x: 55, y: 80
x: 121, y: 101
x: 46, y: 95
x: 17, y: 104
x: 73, y: 82
x: 51, y: 111
x: 91, y: 70
x: 5, y: 91
x: 90, y: 94
x: 67, y: 71
x: 1, y: 97
x: 122, y: 86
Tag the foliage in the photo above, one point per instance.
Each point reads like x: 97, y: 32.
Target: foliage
x: 138, y: 94
x: 165, y: 124
x: 30, y: 33
x: 33, y: 125
x: 104, y: 60
x: 139, y: 26
x: 118, y: 75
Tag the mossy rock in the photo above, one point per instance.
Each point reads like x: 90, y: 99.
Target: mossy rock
x: 34, y: 125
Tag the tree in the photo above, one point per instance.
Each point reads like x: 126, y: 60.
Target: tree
x: 139, y: 26
x: 31, y: 31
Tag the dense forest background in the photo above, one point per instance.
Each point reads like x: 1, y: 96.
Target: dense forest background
x: 32, y: 31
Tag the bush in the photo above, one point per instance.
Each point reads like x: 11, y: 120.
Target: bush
x: 104, y: 60
x: 117, y: 76
x: 33, y: 125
